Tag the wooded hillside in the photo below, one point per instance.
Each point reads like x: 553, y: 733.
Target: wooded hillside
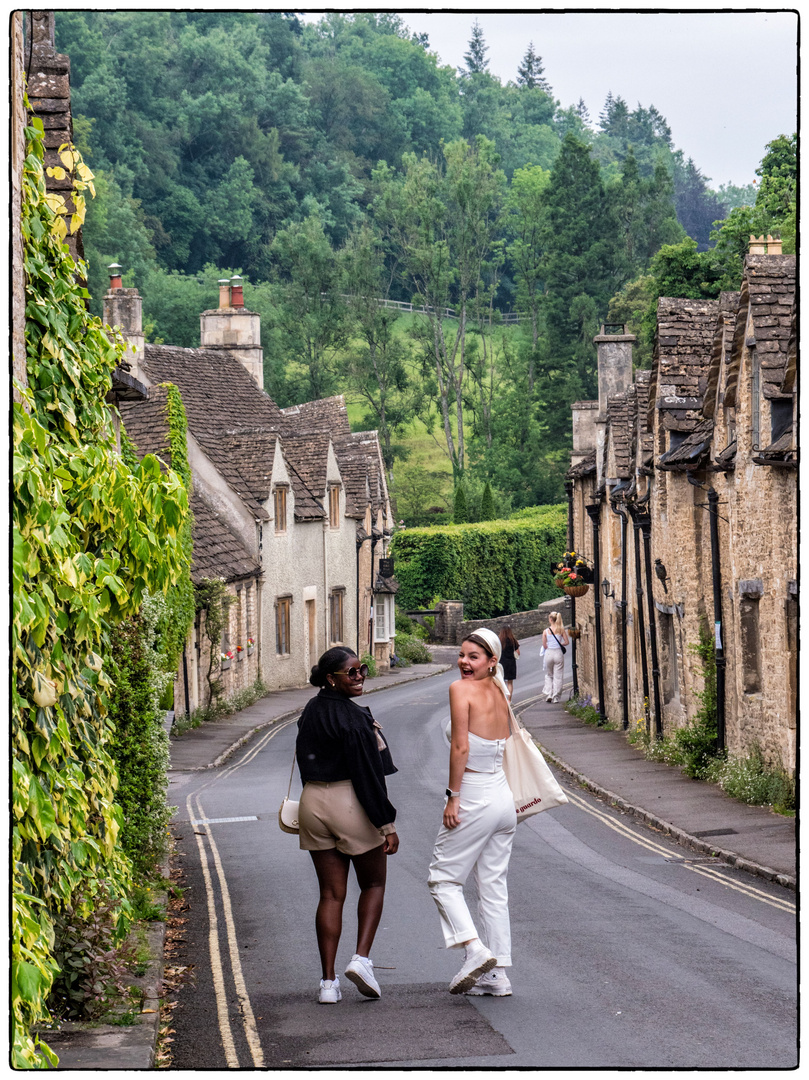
x: 339, y: 164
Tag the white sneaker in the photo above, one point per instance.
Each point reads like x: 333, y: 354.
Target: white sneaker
x: 330, y: 991
x: 478, y: 961
x: 494, y: 982
x: 361, y: 972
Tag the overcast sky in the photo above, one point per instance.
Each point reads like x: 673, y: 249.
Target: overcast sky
x: 726, y: 82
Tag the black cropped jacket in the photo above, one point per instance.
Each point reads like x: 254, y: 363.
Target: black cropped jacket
x: 337, y: 740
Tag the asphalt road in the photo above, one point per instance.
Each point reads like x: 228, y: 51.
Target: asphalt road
x: 629, y: 952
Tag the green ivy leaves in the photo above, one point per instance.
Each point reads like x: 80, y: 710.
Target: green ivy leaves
x: 92, y: 535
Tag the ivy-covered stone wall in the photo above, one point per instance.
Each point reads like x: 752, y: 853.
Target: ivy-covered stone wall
x: 93, y: 535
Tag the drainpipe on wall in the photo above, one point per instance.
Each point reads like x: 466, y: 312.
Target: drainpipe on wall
x: 633, y: 510
x: 594, y: 512
x: 646, y: 529
x: 621, y: 605
x: 376, y: 536
x: 571, y: 547
x: 362, y: 536
x: 721, y: 662
x: 185, y: 683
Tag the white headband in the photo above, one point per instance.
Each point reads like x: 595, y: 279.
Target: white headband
x: 493, y: 641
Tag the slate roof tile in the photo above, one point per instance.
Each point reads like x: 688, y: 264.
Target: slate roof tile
x: 218, y: 551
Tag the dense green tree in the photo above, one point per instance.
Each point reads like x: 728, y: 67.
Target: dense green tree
x: 460, y: 514
x: 524, y: 209
x: 645, y: 211
x: 310, y: 316
x: 442, y: 219
x: 376, y: 356
x: 582, y: 264
x: 530, y: 72
x: 697, y: 206
x: 487, y: 512
x: 475, y: 56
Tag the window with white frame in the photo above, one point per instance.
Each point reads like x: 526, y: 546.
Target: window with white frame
x: 381, y: 617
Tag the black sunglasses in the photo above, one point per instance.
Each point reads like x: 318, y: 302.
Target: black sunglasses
x: 353, y: 672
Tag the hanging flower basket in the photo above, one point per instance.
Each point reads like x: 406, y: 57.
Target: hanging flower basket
x: 570, y: 580
x: 576, y: 590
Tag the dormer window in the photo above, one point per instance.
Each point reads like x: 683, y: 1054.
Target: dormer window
x: 334, y: 506
x: 280, y: 508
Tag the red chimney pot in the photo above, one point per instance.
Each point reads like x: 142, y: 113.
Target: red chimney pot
x: 236, y: 291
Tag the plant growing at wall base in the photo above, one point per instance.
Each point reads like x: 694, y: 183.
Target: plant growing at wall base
x: 140, y: 746
x: 212, y: 603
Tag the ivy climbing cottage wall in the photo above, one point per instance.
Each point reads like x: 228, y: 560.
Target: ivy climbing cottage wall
x: 92, y: 536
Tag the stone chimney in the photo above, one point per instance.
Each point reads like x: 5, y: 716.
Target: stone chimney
x: 585, y: 414
x: 124, y: 308
x: 614, y: 377
x: 231, y: 326
x: 614, y: 363
x: 760, y: 246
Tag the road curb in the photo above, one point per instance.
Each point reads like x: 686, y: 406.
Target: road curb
x: 248, y: 735
x: 682, y: 837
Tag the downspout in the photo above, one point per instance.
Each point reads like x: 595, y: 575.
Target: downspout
x: 621, y: 605
x: 571, y: 547
x: 641, y: 625
x: 185, y: 683
x: 594, y: 512
x: 326, y: 612
x: 375, y: 538
x: 646, y: 528
x: 362, y: 536
x: 721, y: 662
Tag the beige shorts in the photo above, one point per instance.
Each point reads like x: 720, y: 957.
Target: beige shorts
x: 331, y: 816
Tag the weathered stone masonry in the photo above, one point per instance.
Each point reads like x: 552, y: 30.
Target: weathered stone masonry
x: 712, y: 425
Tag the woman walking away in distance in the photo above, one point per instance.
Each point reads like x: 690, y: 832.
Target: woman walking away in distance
x: 479, y: 821
x: 553, y: 638
x: 345, y: 816
x: 510, y: 649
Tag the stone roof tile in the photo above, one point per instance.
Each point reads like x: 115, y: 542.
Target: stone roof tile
x: 146, y: 423
x: 218, y: 551
x: 768, y: 289
x: 682, y: 356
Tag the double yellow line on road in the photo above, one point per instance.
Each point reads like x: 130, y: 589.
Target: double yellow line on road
x: 196, y: 813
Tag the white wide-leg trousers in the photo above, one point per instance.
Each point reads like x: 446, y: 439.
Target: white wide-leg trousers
x: 554, y: 673
x: 481, y: 843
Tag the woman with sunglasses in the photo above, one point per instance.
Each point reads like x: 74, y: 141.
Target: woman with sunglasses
x: 345, y: 816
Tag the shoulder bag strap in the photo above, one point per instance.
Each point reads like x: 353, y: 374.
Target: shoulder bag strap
x: 291, y: 771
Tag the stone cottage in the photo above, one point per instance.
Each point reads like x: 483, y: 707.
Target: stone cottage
x: 683, y: 495
x: 293, y: 506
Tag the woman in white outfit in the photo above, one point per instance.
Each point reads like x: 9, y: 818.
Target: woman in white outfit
x: 479, y: 821
x: 553, y: 638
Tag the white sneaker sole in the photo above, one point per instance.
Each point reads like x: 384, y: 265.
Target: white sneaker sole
x: 363, y: 986
x: 475, y: 991
x: 471, y: 977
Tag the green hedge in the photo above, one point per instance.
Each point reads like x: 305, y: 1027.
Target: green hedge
x: 494, y: 567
